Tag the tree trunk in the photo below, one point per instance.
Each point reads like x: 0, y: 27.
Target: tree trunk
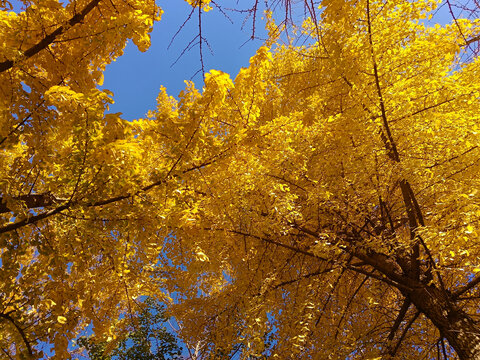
x: 454, y: 324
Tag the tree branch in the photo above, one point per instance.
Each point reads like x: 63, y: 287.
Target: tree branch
x: 20, y: 331
x: 401, y: 315
x: 49, y: 39
x: 334, y: 287
x: 468, y: 286
x: 399, y: 319
x: 393, y: 147
x: 270, y: 241
x: 400, y: 339
x: 36, y: 199
x: 33, y: 219
x: 32, y: 201
x: 380, y: 262
x: 349, y: 303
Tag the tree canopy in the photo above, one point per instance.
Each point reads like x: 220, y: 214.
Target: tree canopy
x: 324, y: 204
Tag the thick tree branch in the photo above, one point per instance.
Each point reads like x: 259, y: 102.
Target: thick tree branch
x: 44, y: 200
x: 49, y: 39
x: 467, y: 287
x: 20, y: 331
x: 33, y: 219
x: 32, y: 201
x: 378, y: 261
x: 472, y: 40
x: 385, y: 265
x: 401, y: 315
x: 414, y: 264
x: 381, y: 278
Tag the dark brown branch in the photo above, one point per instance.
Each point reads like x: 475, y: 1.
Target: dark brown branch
x: 32, y: 201
x: 33, y: 219
x: 306, y: 276
x: 472, y: 40
x: 38, y: 198
x: 381, y: 278
x: 20, y: 124
x: 413, y: 210
x: 380, y: 262
x: 444, y: 351
x: 200, y: 38
x: 414, y: 265
x: 400, y: 339
x: 349, y: 303
x: 386, y: 266
x: 418, y: 211
x: 424, y: 109
x: 467, y: 43
x: 467, y: 287
x: 180, y: 29
x: 49, y: 39
x: 393, y: 146
x: 7, y: 354
x: 452, y: 158
x: 401, y: 315
x: 20, y: 331
x: 421, y: 221
x: 414, y: 213
x: 399, y: 319
x: 334, y: 287
x: 274, y: 242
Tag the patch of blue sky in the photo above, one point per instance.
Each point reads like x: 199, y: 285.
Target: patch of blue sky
x: 135, y: 78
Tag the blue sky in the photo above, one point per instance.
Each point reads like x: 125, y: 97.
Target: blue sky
x: 135, y: 78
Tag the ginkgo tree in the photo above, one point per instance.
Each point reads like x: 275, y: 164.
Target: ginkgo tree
x: 323, y: 204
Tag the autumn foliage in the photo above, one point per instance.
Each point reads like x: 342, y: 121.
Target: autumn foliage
x: 324, y: 204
